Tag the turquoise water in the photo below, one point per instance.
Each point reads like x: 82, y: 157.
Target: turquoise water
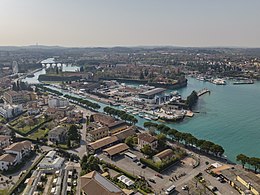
x: 229, y: 116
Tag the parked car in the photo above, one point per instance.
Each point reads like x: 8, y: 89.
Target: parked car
x: 185, y: 187
x: 143, y: 166
x: 158, y: 175
x: 139, y: 164
x: 152, y: 180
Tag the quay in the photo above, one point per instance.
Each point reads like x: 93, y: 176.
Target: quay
x: 202, y: 92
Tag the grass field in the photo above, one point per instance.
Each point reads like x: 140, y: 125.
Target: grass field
x: 40, y: 133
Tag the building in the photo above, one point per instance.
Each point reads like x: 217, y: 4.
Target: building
x: 20, y: 149
x: 164, y: 155
x: 116, y: 149
x: 55, y: 102
x: 15, y: 67
x: 122, y: 135
x: 7, y: 161
x: 4, y: 141
x: 9, y: 111
x: 58, y: 134
x: 13, y: 97
x: 102, y: 119
x: 99, y: 133
x: 117, y: 126
x: 103, y: 143
x: 51, y: 161
x: 152, y: 95
x: 14, y: 154
x: 74, y: 117
x: 242, y: 181
x: 93, y: 183
x: 250, y: 181
x: 147, y: 139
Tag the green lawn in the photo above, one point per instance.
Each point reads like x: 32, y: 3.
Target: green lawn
x: 4, y: 192
x: 40, y: 133
x: 16, y: 124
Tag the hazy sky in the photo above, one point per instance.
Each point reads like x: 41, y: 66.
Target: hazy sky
x: 130, y: 22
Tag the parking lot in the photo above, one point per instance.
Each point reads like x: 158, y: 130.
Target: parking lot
x: 180, y: 174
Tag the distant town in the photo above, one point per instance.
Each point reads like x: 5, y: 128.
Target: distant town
x: 95, y: 121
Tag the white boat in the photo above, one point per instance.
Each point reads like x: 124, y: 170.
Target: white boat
x: 219, y: 82
x: 147, y: 117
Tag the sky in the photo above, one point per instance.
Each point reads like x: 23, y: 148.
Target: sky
x: 90, y: 23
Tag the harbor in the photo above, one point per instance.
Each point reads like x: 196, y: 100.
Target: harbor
x: 215, y: 121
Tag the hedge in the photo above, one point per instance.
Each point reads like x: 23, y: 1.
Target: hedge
x: 158, y: 168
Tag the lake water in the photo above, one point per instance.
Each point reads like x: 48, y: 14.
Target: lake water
x: 229, y: 116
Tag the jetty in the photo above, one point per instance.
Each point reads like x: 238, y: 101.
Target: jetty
x: 202, y: 92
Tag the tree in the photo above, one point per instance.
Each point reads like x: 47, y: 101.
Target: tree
x: 147, y: 150
x: 161, y: 140
x: 255, y: 162
x: 130, y: 141
x: 243, y: 159
x: 73, y: 133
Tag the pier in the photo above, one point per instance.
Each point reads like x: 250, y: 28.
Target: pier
x: 202, y: 92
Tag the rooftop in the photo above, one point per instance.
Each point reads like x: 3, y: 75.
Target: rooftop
x: 19, y: 146
x: 103, y: 142
x: 4, y: 138
x: 116, y: 149
x: 147, y: 137
x: 164, y: 154
x: 153, y: 91
x: 94, y: 183
x: 8, y: 157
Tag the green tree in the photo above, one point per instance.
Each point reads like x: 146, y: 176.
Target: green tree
x: 161, y: 140
x: 255, y: 162
x: 130, y: 141
x: 243, y: 159
x: 147, y: 150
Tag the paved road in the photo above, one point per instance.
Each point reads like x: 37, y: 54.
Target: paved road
x: 82, y: 149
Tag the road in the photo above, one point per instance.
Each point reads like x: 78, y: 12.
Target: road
x: 80, y: 151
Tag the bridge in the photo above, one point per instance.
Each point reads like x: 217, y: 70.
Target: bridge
x: 202, y: 92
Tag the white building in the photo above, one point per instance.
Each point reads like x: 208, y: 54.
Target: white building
x: 57, y: 102
x: 7, y: 160
x: 10, y: 111
x: 4, y: 141
x: 14, y: 154
x: 51, y: 161
x: 20, y: 149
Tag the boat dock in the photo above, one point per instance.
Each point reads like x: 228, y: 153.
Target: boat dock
x: 202, y: 92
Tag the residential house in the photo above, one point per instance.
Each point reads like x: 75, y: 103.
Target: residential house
x: 58, y: 134
x: 147, y: 139
x: 74, y: 117
x: 94, y: 183
x: 20, y: 149
x: 14, y: 154
x: 55, y: 102
x: 9, y: 111
x: 7, y: 160
x: 4, y: 141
